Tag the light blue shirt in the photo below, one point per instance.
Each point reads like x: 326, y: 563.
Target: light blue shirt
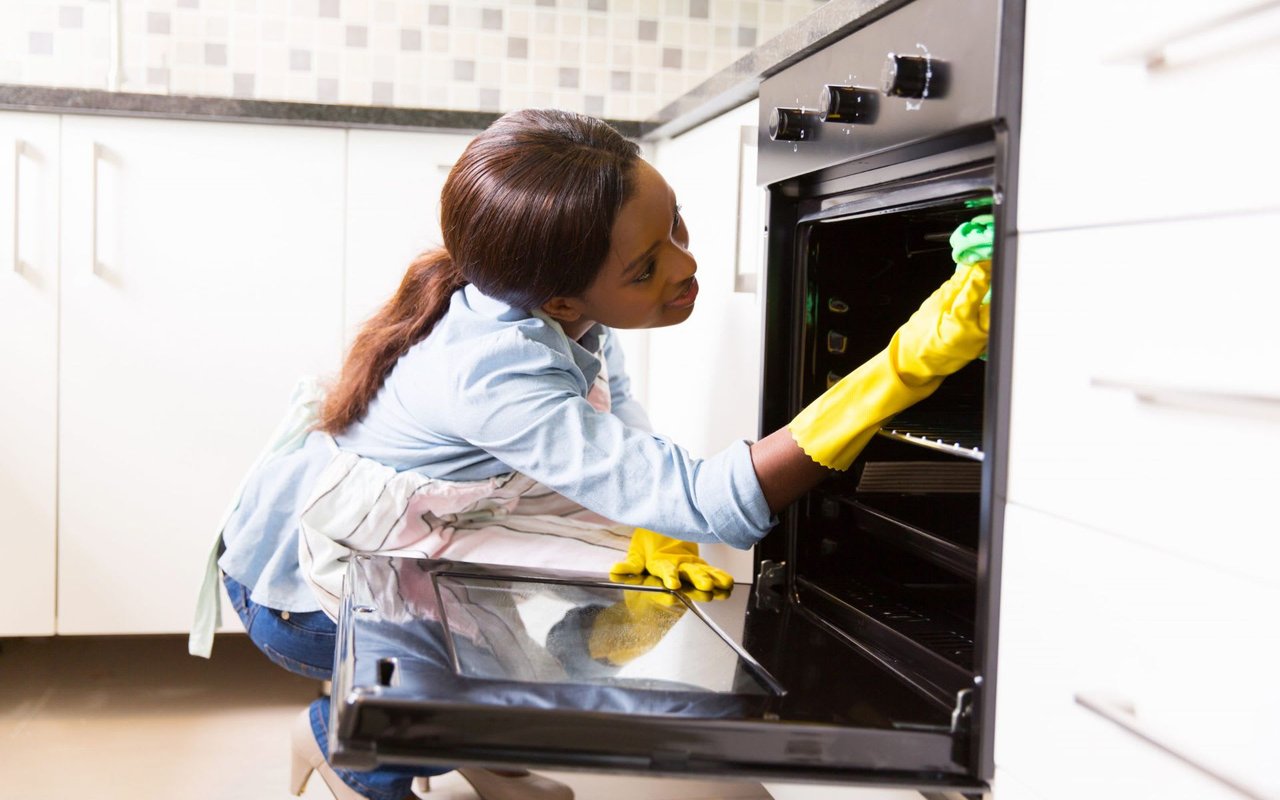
x: 491, y: 390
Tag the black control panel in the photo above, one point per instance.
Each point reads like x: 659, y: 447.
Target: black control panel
x: 917, y: 74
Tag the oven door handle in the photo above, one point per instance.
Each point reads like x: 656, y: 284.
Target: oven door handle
x: 1258, y: 405
x: 1121, y: 712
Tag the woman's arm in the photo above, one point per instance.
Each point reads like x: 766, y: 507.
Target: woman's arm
x: 784, y: 470
x: 947, y: 332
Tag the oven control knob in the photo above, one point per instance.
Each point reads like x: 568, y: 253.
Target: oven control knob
x: 913, y: 76
x: 792, y: 124
x: 848, y: 104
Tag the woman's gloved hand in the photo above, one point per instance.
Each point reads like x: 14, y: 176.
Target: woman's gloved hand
x: 632, y: 627
x: 670, y: 560
x: 948, y: 331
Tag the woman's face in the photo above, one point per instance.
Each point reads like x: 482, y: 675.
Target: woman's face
x: 647, y: 280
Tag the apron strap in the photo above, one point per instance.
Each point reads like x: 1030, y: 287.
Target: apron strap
x: 289, y: 435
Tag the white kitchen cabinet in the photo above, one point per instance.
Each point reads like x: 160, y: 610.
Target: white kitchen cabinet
x: 201, y: 273
x: 1138, y: 589
x: 704, y: 374
x: 1146, y: 393
x: 1180, y: 655
x: 394, y: 180
x: 1130, y: 114
x: 28, y: 363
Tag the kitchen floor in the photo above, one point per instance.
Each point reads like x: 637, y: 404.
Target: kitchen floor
x: 136, y: 718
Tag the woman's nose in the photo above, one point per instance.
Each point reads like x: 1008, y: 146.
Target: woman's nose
x: 685, y: 266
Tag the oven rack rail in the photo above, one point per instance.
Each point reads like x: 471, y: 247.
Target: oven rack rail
x: 928, y: 650
x: 954, y: 558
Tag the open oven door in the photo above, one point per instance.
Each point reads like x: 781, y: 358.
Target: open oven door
x: 445, y: 663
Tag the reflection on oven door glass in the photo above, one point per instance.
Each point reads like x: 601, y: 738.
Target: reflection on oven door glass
x: 641, y: 637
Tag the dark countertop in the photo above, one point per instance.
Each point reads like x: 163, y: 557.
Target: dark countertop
x: 233, y: 109
x: 727, y: 89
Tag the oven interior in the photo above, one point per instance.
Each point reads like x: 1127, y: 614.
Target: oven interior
x: 887, y: 552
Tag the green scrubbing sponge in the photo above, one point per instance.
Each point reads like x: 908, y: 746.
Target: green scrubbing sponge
x: 973, y: 242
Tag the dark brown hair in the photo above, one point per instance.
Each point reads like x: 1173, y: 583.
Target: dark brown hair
x: 525, y: 215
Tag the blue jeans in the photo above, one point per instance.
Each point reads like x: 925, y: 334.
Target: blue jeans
x: 303, y: 643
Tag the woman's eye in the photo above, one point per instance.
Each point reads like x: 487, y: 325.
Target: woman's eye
x: 645, y: 275
x: 675, y: 222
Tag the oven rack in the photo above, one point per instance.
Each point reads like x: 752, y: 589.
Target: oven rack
x: 942, y: 437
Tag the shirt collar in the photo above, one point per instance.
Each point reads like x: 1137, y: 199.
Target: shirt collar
x: 585, y: 351
x: 487, y: 306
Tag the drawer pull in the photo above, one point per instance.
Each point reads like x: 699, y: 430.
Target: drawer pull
x: 95, y: 156
x: 1122, y: 714
x: 1233, y: 33
x: 1261, y: 405
x: 19, y: 147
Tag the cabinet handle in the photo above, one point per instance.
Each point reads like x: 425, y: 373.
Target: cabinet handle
x: 19, y: 147
x: 96, y: 156
x: 1121, y: 713
x: 747, y: 247
x: 1233, y: 32
x: 1200, y: 399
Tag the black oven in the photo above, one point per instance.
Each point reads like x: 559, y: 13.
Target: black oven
x: 864, y: 651
x: 909, y: 133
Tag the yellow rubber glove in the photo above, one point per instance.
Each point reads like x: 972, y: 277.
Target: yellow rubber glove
x: 670, y: 560
x: 628, y: 629
x: 948, y: 331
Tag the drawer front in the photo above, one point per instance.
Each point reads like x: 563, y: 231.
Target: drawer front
x: 1146, y: 385
x: 1180, y: 652
x: 1107, y: 138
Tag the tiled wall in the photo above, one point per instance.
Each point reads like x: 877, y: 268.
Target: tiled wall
x: 622, y: 59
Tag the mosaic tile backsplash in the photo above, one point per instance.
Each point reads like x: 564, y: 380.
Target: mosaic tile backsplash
x: 622, y: 59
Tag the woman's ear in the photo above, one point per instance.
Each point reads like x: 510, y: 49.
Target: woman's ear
x: 563, y: 309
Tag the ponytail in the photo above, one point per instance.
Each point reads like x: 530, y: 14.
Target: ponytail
x: 526, y: 214
x: 402, y: 322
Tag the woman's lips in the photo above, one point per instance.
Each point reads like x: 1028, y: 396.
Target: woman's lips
x: 686, y: 297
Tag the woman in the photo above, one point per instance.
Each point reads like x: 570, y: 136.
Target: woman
x: 484, y: 412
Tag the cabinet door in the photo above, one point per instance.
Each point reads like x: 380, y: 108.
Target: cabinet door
x: 1127, y: 671
x: 394, y: 180
x: 1131, y: 115
x: 201, y: 277
x: 703, y: 381
x: 28, y: 362
x: 1145, y: 399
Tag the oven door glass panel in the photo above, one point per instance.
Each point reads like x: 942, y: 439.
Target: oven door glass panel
x: 450, y: 663
x: 642, y: 637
